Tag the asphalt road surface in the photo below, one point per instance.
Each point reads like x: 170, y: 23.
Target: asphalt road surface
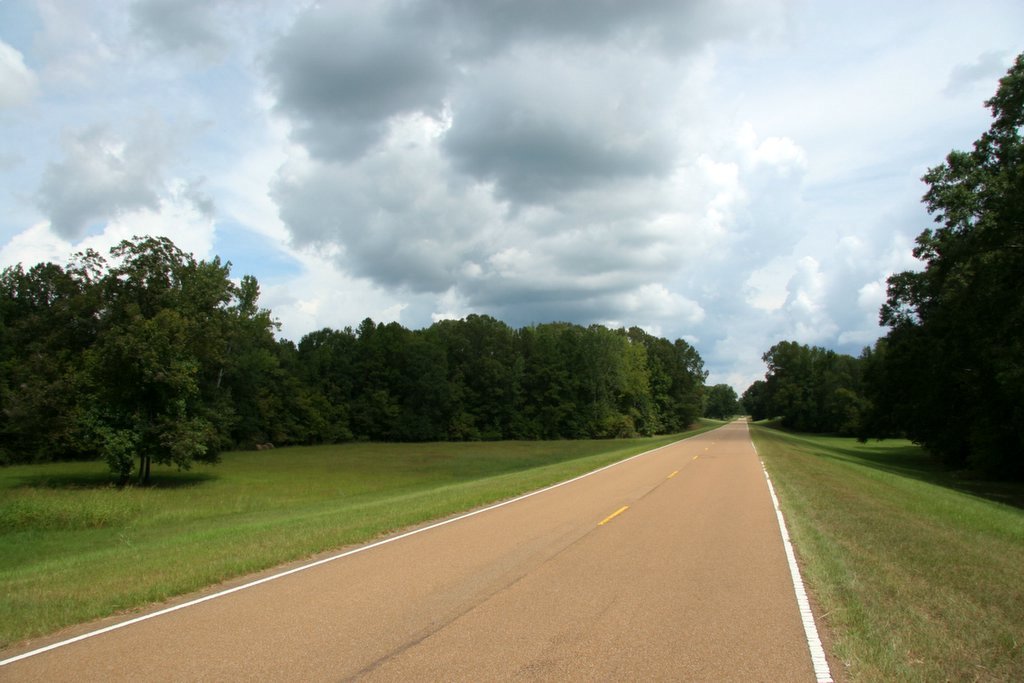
x: 667, y: 567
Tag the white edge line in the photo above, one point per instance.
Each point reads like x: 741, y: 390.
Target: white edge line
x: 822, y: 673
x: 332, y: 558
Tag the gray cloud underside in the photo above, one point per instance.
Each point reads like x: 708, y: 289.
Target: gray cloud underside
x: 176, y: 25
x: 342, y: 72
x: 488, y: 26
x: 100, y: 176
x: 988, y: 68
x: 540, y: 125
x: 524, y: 122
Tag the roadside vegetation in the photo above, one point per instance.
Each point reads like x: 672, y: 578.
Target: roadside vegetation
x: 949, y: 374
x: 151, y: 357
x: 74, y: 547
x: 917, y: 574
x: 721, y: 402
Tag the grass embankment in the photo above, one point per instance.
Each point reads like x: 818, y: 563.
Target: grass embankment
x: 919, y: 576
x: 74, y: 548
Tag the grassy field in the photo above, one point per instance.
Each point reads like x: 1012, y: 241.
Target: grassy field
x: 919, y: 576
x: 74, y: 548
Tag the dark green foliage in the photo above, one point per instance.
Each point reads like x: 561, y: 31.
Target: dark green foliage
x: 144, y: 372
x: 47, y: 319
x: 812, y: 389
x: 950, y: 373
x: 160, y: 358
x: 755, y: 400
x: 126, y: 361
x: 676, y: 376
x: 722, y: 402
x: 479, y: 379
x: 324, y: 365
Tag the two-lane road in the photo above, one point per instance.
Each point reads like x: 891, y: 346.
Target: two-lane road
x: 667, y: 567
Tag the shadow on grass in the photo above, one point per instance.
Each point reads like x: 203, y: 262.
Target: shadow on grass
x: 103, y: 480
x: 915, y: 463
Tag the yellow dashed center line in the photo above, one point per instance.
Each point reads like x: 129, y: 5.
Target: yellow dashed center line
x: 613, y: 515
x: 673, y: 474
x: 695, y: 457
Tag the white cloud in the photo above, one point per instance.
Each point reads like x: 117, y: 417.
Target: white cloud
x: 781, y: 152
x: 766, y: 287
x: 18, y: 83
x: 174, y: 216
x: 37, y: 244
x: 321, y: 296
x: 654, y: 302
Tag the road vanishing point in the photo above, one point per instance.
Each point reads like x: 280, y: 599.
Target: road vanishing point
x: 669, y: 566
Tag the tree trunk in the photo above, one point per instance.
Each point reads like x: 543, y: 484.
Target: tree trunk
x: 144, y: 462
x: 220, y: 373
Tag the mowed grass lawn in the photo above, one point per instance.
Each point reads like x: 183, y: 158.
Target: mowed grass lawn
x: 73, y: 547
x: 919, y: 576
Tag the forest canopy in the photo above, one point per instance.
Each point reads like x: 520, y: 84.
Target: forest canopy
x: 150, y: 356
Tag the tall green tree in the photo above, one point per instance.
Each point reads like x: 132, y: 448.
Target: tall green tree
x: 755, y: 400
x: 812, y: 388
x: 954, y: 358
x: 676, y: 379
x: 159, y: 341
x: 722, y: 402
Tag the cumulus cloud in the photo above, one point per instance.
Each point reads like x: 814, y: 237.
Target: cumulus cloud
x: 173, y: 215
x: 526, y: 111
x: 345, y: 69
x: 18, y: 83
x: 105, y: 174
x: 540, y: 124
x: 100, y: 176
x: 37, y: 244
x: 323, y: 296
x: 529, y: 160
x: 393, y: 216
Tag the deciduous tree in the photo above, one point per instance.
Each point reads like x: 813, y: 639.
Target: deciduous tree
x: 955, y: 350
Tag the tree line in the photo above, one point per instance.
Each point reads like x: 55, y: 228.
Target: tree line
x: 151, y: 356
x: 949, y: 374
x: 811, y: 388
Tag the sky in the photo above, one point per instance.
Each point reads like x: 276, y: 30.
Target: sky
x: 733, y: 173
